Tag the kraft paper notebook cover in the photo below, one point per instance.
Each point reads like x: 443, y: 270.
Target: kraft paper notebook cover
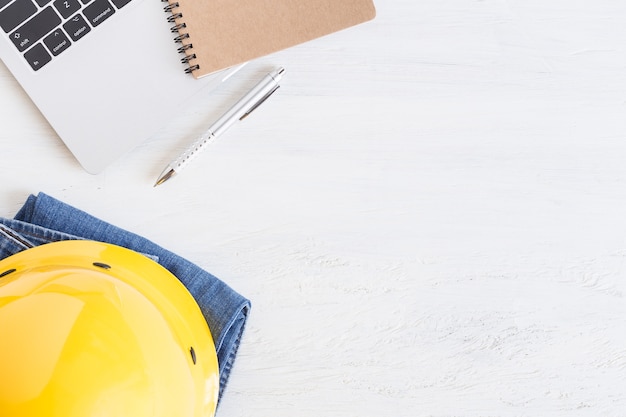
x: 217, y: 34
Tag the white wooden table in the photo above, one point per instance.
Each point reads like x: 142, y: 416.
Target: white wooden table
x: 429, y: 216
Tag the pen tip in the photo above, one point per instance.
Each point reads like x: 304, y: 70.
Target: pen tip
x: 166, y: 175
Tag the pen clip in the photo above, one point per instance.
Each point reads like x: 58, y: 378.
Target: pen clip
x: 258, y: 103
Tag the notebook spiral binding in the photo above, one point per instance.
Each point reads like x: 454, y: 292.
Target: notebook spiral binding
x: 185, y: 49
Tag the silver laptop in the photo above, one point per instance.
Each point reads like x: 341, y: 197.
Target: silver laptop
x: 106, y: 74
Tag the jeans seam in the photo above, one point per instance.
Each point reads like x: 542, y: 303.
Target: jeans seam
x: 231, y: 358
x: 11, y: 234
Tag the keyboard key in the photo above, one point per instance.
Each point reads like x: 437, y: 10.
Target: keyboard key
x: 36, y: 28
x: 16, y: 13
x: 67, y: 7
x: 57, y: 42
x: 120, y: 3
x: 37, y: 56
x: 76, y: 27
x: 98, y: 11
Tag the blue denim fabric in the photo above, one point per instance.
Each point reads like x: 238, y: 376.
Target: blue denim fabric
x: 44, y: 219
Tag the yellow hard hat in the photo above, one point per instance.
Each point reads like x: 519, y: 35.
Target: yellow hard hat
x: 93, y: 329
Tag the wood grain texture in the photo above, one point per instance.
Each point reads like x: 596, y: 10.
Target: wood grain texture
x: 429, y: 216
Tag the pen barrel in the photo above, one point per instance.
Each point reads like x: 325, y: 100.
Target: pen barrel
x: 241, y: 109
x: 246, y: 104
x: 193, y: 151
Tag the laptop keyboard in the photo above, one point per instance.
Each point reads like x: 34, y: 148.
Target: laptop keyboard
x: 43, y: 29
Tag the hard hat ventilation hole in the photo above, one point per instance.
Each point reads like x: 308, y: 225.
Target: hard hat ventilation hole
x: 102, y: 265
x: 193, y: 355
x: 7, y: 272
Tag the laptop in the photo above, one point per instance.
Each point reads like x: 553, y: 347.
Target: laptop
x: 106, y: 74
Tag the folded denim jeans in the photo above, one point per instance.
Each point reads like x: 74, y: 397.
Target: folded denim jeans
x: 44, y: 219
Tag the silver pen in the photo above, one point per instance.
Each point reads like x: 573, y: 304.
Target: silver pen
x: 241, y: 109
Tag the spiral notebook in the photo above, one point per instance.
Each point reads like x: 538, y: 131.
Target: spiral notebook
x: 218, y: 34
